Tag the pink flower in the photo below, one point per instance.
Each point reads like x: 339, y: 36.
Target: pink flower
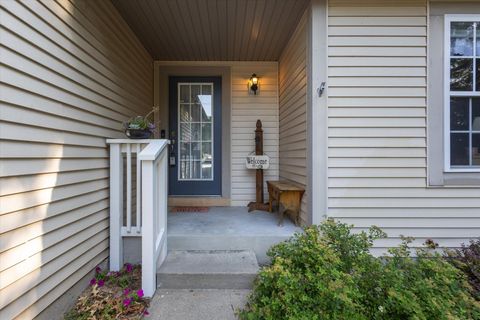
x: 98, y: 270
x: 127, y: 302
x: 93, y: 282
x: 140, y: 293
x: 126, y: 291
x: 128, y: 267
x: 101, y: 283
x: 145, y: 312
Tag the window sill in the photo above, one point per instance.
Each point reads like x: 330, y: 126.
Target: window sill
x: 462, y: 170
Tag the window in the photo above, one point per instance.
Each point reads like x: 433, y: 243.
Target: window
x: 462, y: 93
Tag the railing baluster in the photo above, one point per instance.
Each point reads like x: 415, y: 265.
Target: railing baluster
x: 129, y: 188
x: 139, y: 189
x: 116, y: 207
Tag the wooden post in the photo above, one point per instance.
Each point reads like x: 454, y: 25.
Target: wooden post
x: 259, y: 201
x: 259, y: 152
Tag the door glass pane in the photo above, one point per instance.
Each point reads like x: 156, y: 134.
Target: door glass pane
x: 196, y: 131
x: 461, y: 39
x: 206, y: 131
x: 184, y: 93
x: 206, y: 169
x: 476, y: 114
x: 459, y: 149
x: 185, y: 150
x: 459, y: 113
x: 184, y: 113
x: 477, y: 86
x: 206, y: 151
x: 478, y: 39
x: 196, y: 112
x: 476, y: 149
x: 195, y: 92
x: 185, y: 132
x: 461, y: 71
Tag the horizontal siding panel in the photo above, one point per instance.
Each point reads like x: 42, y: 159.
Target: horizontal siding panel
x: 377, y: 21
x: 377, y: 152
x: 35, y: 277
x: 372, y: 41
x: 376, y: 31
x: 377, y: 142
x: 19, y: 149
x: 35, y: 198
x: 376, y: 162
x: 377, y: 82
x: 397, y: 102
x: 376, y: 71
x: 377, y: 112
x: 70, y: 75
x: 410, y: 213
x: 19, y: 184
x: 24, y: 217
x: 18, y: 236
x: 377, y: 122
x: 403, y: 193
x: 36, y: 245
x: 36, y: 166
x: 356, y: 10
x: 377, y: 172
x: 376, y: 61
x: 376, y: 182
x: 402, y: 203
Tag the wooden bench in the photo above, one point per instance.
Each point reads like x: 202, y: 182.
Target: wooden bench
x: 288, y: 197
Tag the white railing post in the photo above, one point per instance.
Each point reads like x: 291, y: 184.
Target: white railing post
x: 154, y: 212
x: 148, y: 252
x: 116, y: 207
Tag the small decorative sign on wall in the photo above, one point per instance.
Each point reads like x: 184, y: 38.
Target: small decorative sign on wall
x: 257, y: 162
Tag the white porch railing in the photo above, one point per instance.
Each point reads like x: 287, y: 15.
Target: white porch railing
x: 151, y: 195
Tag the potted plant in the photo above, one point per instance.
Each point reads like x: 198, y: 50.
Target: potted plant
x: 140, y: 127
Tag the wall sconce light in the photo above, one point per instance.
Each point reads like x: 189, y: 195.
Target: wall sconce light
x: 253, y: 84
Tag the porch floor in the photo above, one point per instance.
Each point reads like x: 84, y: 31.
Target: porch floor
x: 227, y: 228
x: 228, y: 221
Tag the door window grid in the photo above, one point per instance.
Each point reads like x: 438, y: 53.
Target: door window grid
x: 462, y: 65
x: 195, y: 127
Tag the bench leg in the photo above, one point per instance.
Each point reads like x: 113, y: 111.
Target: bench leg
x: 281, y: 214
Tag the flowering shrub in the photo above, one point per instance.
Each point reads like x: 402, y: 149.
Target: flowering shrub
x: 112, y: 295
x: 467, y: 259
x: 327, y: 272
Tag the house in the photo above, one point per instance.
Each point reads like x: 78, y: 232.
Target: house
x: 372, y: 106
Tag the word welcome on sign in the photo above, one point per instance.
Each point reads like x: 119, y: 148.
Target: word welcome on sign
x: 257, y: 162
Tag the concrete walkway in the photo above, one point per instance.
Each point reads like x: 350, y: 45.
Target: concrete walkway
x: 199, y: 304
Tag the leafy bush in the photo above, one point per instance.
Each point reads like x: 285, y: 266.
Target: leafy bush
x: 327, y: 272
x: 467, y: 259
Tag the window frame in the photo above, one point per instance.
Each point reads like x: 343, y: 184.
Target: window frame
x: 448, y: 19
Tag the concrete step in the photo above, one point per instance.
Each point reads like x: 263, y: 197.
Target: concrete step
x: 208, y: 270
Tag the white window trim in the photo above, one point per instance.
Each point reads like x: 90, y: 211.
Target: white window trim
x: 447, y: 93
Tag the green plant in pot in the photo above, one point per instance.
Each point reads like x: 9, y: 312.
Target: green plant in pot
x: 140, y: 127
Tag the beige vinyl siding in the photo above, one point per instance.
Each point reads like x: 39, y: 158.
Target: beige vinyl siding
x: 377, y: 172
x: 293, y: 111
x: 70, y: 72
x: 246, y: 109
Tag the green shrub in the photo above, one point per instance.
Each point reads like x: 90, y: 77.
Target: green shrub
x: 467, y: 259
x: 327, y: 272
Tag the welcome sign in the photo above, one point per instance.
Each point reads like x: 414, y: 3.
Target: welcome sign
x: 257, y: 162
